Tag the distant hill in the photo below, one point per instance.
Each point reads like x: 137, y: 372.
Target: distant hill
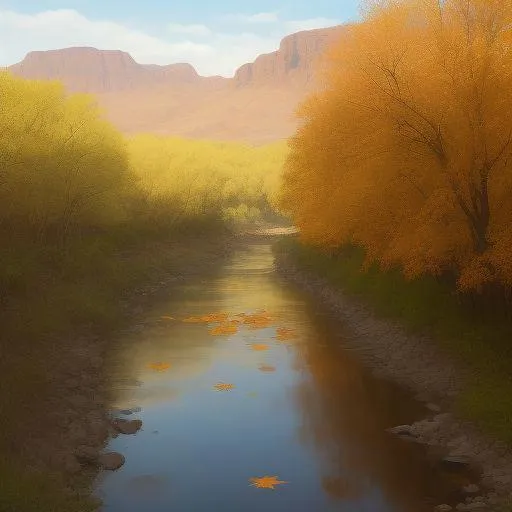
x: 257, y: 105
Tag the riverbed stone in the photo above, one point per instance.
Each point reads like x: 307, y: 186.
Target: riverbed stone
x: 86, y: 454
x: 443, y: 508
x: 471, y: 489
x: 402, y: 430
x: 111, y: 461
x: 456, y: 461
x: 127, y: 426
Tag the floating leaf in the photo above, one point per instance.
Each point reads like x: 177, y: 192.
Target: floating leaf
x: 266, y: 368
x: 258, y: 347
x: 192, y: 320
x: 224, y: 329
x: 159, y: 367
x: 222, y: 386
x: 207, y: 319
x: 266, y: 482
x: 258, y: 320
x: 284, y: 334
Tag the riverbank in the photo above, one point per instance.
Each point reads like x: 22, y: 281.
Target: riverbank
x: 57, y: 410
x: 409, y: 356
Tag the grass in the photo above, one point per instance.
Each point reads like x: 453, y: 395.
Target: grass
x: 51, y: 293
x: 482, y: 342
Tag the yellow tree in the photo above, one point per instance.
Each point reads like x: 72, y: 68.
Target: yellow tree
x: 406, y: 151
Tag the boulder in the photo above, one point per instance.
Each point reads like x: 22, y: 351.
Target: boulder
x: 127, y: 426
x: 111, y: 461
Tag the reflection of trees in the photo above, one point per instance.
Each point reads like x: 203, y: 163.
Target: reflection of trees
x: 345, y: 416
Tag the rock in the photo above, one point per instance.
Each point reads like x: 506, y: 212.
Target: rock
x: 443, y: 508
x: 86, y: 454
x: 433, y: 407
x: 471, y: 489
x: 111, y: 461
x: 127, y: 426
x: 456, y: 461
x: 405, y: 431
x: 471, y: 506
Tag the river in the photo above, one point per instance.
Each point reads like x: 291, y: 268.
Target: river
x: 302, y: 409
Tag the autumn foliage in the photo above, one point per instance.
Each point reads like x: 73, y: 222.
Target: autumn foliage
x: 406, y: 150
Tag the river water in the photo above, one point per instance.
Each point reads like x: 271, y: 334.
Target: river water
x: 302, y: 409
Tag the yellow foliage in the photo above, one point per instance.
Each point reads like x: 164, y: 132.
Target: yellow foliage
x: 407, y: 150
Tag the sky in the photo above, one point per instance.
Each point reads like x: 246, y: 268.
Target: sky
x: 215, y: 36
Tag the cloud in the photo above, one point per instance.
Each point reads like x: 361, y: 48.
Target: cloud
x: 310, y: 24
x: 262, y: 17
x: 193, y: 30
x: 217, y: 52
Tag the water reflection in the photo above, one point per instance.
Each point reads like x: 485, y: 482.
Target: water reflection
x: 300, y: 409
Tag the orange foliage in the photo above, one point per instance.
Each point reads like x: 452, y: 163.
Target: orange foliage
x: 407, y: 150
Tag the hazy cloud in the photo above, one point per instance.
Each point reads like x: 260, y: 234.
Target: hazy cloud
x: 262, y: 17
x: 193, y: 30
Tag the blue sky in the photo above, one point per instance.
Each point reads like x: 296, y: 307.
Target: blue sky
x: 216, y: 36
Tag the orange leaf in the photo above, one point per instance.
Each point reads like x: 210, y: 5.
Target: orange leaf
x: 222, y: 386
x: 266, y: 482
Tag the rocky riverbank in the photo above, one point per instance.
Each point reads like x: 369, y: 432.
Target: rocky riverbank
x: 417, y: 363
x: 69, y: 437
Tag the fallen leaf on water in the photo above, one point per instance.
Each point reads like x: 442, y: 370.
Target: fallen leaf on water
x: 266, y: 482
x: 284, y: 334
x: 222, y: 386
x: 258, y: 320
x: 159, y: 367
x: 192, y: 320
x: 259, y: 346
x: 222, y: 329
x: 206, y: 319
x: 266, y: 368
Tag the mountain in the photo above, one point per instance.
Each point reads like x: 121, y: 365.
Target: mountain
x: 257, y: 105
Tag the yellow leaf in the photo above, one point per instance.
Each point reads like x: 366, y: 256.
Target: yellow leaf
x: 266, y: 482
x: 258, y: 347
x: 284, y: 334
x: 222, y: 386
x: 159, y: 367
x: 224, y: 329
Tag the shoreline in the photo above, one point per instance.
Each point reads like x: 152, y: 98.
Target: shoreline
x: 78, y: 418
x: 416, y: 362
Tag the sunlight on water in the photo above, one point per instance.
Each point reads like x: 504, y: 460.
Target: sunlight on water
x: 275, y: 400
